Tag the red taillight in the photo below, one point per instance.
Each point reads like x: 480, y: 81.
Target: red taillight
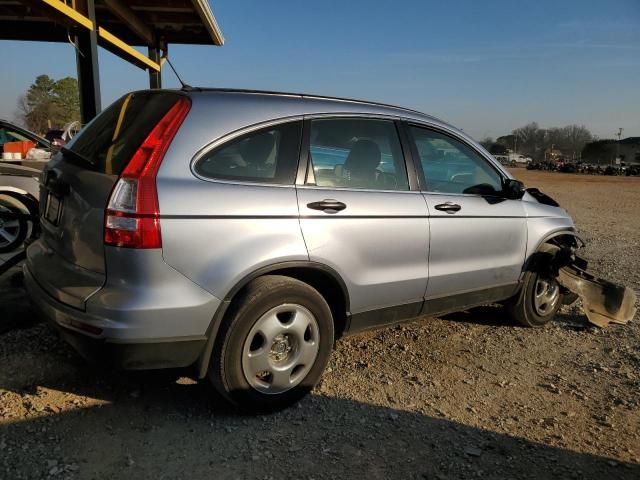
x: 132, y: 215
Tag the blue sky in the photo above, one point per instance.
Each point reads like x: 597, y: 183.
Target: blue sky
x: 487, y: 67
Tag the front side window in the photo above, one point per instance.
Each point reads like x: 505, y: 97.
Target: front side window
x: 269, y: 155
x: 450, y: 166
x: 357, y: 153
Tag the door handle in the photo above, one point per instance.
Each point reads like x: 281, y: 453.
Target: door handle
x: 449, y: 207
x: 327, y: 206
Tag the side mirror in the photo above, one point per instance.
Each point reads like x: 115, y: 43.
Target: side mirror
x: 513, y: 189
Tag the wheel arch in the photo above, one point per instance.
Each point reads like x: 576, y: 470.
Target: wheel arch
x: 560, y: 238
x: 320, y: 276
x: 28, y: 200
x: 563, y: 237
x: 25, y: 201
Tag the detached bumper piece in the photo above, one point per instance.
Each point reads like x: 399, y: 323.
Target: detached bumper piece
x: 603, y: 302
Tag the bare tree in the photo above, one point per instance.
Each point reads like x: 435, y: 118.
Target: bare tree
x: 535, y: 141
x: 530, y: 140
x: 575, y: 137
x: 22, y: 110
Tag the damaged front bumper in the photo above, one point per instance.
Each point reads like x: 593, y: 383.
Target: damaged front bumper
x: 603, y: 301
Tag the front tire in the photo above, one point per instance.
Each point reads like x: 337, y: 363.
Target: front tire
x: 273, y: 345
x: 537, y: 302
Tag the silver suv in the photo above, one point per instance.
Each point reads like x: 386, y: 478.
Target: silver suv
x: 242, y: 232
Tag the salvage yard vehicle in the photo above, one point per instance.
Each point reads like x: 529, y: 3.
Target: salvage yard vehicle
x: 10, y: 132
x: 19, y: 188
x: 243, y: 232
x: 60, y: 136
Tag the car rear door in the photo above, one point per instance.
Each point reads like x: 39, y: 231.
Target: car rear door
x: 360, y: 216
x: 478, y: 237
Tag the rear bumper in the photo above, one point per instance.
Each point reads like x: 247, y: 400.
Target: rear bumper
x: 134, y: 356
x: 144, y: 335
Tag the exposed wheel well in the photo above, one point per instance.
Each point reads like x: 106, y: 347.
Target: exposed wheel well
x: 562, y: 238
x: 541, y: 254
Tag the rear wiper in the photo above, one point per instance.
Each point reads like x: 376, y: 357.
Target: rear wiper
x: 78, y: 157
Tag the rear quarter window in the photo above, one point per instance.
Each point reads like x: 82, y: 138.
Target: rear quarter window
x: 109, y: 141
x: 269, y: 155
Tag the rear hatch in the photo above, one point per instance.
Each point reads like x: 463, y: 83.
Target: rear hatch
x: 69, y: 261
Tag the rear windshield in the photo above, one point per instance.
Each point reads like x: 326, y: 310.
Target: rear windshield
x: 109, y: 141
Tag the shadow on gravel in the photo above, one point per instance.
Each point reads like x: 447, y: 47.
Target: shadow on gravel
x: 494, y: 316
x: 171, y: 431
x: 15, y: 309
x: 152, y: 426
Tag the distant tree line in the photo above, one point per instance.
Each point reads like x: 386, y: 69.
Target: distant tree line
x: 600, y: 151
x: 533, y: 141
x: 49, y: 103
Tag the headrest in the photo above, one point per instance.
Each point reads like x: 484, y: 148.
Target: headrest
x: 364, y: 156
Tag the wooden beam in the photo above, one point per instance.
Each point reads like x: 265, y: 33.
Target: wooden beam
x: 71, y: 13
x: 132, y: 20
x: 203, y: 10
x: 132, y: 54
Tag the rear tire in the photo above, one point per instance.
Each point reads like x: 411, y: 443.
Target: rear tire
x: 273, y: 344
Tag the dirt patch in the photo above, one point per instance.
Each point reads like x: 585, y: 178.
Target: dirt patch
x: 465, y: 396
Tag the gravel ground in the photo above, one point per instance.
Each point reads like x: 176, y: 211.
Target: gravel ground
x: 464, y: 396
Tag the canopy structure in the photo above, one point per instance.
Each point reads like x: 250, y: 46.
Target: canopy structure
x: 116, y: 25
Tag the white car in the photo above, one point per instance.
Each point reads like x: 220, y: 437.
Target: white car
x: 18, y: 204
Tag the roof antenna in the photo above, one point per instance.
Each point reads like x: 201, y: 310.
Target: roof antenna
x: 165, y: 56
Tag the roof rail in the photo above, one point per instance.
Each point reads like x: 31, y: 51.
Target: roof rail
x: 303, y: 95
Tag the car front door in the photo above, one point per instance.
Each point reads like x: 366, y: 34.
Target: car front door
x: 478, y: 237
x: 360, y: 217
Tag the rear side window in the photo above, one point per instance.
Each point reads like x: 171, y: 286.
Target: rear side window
x: 357, y: 153
x: 269, y: 155
x: 109, y: 141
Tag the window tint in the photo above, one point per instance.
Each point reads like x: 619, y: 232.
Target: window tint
x: 357, y: 153
x: 109, y: 141
x: 268, y: 156
x: 450, y: 166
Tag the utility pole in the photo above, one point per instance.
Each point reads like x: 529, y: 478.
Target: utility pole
x: 620, y: 130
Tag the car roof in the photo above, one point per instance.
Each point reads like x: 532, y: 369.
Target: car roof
x: 217, y: 112
x: 304, y: 103
x: 304, y: 96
